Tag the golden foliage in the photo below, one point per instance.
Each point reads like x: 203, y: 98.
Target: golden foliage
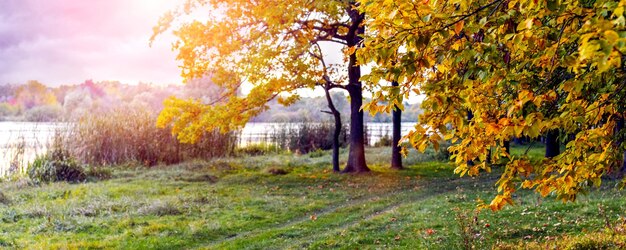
x: 520, y: 68
x: 271, y: 45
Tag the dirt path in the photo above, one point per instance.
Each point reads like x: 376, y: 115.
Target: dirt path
x: 425, y: 191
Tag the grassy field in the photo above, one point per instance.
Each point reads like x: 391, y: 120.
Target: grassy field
x: 286, y: 201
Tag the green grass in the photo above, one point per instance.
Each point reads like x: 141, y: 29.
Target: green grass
x: 238, y: 203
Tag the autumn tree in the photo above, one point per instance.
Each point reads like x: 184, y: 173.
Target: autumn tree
x: 270, y: 45
x: 338, y: 126
x: 522, y: 69
x: 34, y: 94
x: 328, y: 85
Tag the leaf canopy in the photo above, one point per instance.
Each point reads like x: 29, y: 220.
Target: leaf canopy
x: 521, y: 69
x: 269, y: 44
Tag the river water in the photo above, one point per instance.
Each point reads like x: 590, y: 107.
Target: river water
x: 21, y: 142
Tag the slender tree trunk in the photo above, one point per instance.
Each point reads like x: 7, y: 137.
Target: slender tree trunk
x: 337, y: 116
x: 396, y: 157
x: 620, y: 142
x: 356, y: 156
x: 336, y: 142
x: 553, y: 148
x: 470, y: 116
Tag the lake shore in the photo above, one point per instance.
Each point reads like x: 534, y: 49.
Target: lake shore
x: 35, y: 137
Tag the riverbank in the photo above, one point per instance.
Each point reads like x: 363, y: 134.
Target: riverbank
x: 120, y: 137
x: 294, y: 201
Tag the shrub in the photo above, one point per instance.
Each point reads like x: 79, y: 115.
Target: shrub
x: 307, y: 136
x: 8, y: 110
x: 385, y: 141
x: 46, y: 169
x: 56, y: 165
x: 47, y: 113
x: 303, y: 137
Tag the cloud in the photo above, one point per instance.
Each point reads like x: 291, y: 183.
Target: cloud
x: 68, y: 41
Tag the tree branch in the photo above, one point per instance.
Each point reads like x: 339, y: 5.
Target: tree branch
x: 465, y: 16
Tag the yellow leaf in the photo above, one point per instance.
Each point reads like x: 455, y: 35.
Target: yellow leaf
x: 527, y: 184
x: 448, y: 136
x: 538, y: 100
x: 422, y: 147
x: 619, y: 11
x: 611, y: 36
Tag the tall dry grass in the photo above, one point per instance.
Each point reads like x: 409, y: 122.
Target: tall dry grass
x: 16, y: 151
x: 128, y: 135
x: 307, y: 136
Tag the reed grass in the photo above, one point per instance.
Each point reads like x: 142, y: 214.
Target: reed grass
x: 129, y: 135
x: 13, y: 156
x: 306, y: 137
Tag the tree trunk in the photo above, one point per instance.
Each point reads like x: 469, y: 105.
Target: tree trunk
x: 470, y: 116
x: 396, y: 157
x: 336, y: 142
x: 552, y: 144
x: 337, y: 132
x: 356, y: 156
x: 620, y: 143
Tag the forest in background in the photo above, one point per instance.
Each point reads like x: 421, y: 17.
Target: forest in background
x: 36, y: 102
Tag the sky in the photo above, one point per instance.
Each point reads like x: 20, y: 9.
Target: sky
x: 60, y: 42
x: 69, y: 41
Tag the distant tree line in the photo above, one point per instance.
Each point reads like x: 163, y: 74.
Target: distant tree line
x: 309, y: 109
x: 34, y: 101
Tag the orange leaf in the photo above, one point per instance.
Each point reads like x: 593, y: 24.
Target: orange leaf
x: 459, y: 26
